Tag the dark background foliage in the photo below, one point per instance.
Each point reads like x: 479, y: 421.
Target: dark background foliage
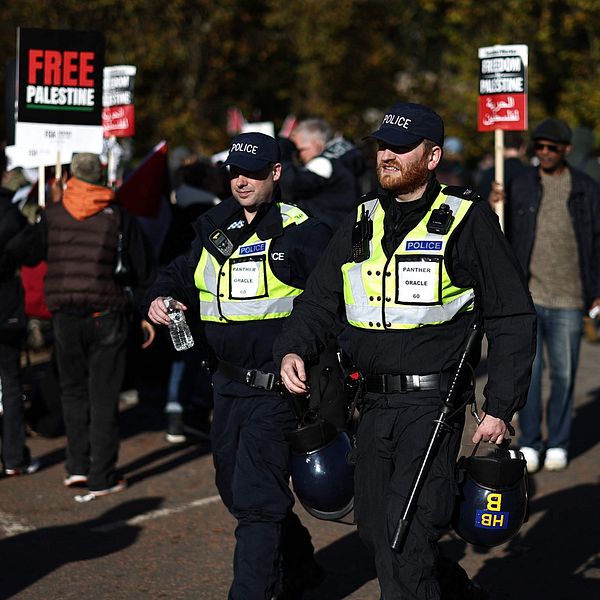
x: 345, y: 60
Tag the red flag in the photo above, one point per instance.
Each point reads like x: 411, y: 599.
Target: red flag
x: 235, y: 120
x: 142, y: 191
x: 288, y: 126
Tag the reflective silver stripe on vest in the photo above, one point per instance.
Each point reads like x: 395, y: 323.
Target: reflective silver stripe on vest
x: 252, y: 308
x: 409, y: 315
x: 210, y: 309
x: 355, y: 273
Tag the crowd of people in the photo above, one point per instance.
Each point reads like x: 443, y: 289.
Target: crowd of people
x: 279, y: 254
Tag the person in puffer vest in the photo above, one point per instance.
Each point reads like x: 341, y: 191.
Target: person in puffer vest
x: 91, y: 315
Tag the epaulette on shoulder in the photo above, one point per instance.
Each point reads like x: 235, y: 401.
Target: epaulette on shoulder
x: 462, y: 192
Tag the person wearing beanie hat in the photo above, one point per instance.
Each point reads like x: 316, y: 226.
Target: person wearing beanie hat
x: 553, y: 212
x: 404, y: 280
x: 249, y: 261
x: 91, y: 308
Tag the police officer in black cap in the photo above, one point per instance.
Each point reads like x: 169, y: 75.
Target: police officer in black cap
x: 411, y: 271
x: 250, y: 259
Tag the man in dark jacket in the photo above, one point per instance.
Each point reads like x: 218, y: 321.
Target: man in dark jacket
x: 16, y: 459
x: 91, y: 313
x: 326, y: 183
x: 250, y: 259
x: 554, y: 228
x: 405, y: 301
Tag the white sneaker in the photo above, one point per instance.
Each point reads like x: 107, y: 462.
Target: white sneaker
x: 556, y: 459
x: 532, y: 457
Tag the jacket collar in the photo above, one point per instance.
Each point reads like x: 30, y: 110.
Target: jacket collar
x: 269, y: 225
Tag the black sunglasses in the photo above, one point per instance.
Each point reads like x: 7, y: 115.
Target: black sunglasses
x: 550, y: 147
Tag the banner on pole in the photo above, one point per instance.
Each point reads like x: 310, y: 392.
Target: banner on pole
x: 503, y: 88
x: 118, y: 116
x: 59, y: 82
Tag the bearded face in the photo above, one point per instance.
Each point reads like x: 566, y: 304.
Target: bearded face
x: 402, y: 173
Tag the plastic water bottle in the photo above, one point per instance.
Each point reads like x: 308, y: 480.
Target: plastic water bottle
x: 181, y: 336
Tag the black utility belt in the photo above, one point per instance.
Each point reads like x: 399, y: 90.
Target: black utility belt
x: 389, y: 384
x: 251, y: 377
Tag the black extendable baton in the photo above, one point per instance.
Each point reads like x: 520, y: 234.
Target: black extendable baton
x: 440, y: 425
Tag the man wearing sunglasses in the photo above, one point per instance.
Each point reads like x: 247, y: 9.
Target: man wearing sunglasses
x: 553, y: 225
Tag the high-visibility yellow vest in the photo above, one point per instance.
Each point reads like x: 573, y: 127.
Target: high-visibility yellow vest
x: 244, y: 287
x: 412, y: 288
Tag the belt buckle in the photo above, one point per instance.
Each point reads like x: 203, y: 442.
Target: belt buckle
x: 258, y: 379
x: 394, y: 383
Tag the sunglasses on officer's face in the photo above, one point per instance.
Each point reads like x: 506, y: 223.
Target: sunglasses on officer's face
x: 550, y: 147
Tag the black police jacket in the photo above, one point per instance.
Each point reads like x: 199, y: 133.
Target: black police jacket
x: 480, y: 257
x: 297, y: 249
x: 523, y: 202
x: 328, y: 186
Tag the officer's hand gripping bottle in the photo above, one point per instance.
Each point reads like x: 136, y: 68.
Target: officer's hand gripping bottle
x: 181, y: 335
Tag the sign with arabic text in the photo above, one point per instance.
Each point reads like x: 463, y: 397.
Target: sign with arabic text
x: 503, y: 88
x: 118, y: 117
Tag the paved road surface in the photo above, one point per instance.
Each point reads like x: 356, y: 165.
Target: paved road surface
x: 168, y: 536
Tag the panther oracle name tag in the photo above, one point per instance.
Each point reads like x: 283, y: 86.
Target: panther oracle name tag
x: 246, y: 278
x: 418, y: 281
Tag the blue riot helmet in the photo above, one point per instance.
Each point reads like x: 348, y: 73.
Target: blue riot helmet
x: 493, y: 503
x: 323, y: 479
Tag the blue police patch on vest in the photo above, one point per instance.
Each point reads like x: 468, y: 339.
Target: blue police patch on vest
x: 253, y: 248
x: 421, y: 245
x: 491, y: 520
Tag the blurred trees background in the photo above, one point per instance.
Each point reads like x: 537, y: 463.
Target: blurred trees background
x: 344, y: 60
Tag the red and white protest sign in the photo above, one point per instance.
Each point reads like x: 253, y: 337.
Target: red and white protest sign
x: 503, y: 88
x: 118, y: 116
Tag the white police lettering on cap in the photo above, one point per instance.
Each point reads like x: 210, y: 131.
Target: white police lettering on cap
x: 397, y: 120
x: 248, y: 148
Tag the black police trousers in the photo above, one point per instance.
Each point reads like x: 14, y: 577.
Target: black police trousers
x: 392, y: 436
x: 251, y: 458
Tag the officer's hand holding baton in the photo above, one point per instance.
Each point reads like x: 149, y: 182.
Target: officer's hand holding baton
x: 293, y: 374
x: 490, y: 429
x: 158, y: 311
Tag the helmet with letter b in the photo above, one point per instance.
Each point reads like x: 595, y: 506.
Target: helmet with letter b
x: 493, y: 503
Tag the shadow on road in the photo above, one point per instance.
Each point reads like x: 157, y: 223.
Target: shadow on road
x: 586, y: 425
x: 185, y: 454
x: 347, y: 566
x: 29, y: 557
x: 556, y: 558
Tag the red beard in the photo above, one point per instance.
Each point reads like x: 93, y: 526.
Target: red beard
x: 409, y: 177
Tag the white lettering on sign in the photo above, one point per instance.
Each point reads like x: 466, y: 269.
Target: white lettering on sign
x: 240, y: 147
x: 511, y: 64
x: 418, y: 281
x: 397, y: 120
x: 504, y: 84
x: 59, y: 96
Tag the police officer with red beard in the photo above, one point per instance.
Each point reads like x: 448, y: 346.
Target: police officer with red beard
x: 402, y: 283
